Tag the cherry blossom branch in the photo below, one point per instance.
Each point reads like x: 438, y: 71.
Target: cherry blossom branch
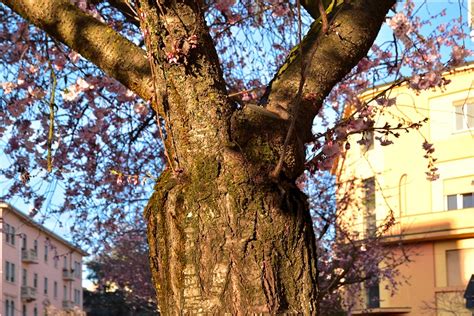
x: 96, y: 41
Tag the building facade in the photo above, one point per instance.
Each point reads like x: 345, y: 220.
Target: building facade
x: 434, y: 220
x: 41, y: 272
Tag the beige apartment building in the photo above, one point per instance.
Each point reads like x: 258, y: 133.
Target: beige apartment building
x: 41, y: 272
x: 434, y: 220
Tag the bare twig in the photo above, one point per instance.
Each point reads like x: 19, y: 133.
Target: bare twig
x: 52, y: 106
x: 156, y: 93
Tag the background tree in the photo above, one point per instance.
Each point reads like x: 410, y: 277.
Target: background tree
x: 124, y: 269
x: 113, y: 303
x: 119, y: 295
x: 228, y: 228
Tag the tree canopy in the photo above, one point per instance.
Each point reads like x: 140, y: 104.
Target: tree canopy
x: 227, y: 103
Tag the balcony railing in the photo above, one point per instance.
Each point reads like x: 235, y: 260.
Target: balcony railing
x: 28, y: 293
x: 29, y: 256
x: 68, y: 305
x: 68, y: 274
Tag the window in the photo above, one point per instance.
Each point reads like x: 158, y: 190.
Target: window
x: 65, y: 262
x: 370, y: 222
x: 24, y: 278
x: 77, y: 269
x: 12, y: 272
x: 46, y: 286
x: 464, y: 116
x: 9, y: 307
x: 35, y: 246
x: 12, y: 236
x: 9, y: 271
x: 56, y: 259
x: 35, y: 311
x: 65, y: 293
x: 55, y: 289
x: 458, y: 266
x: 35, y: 280
x: 373, y: 295
x: 468, y: 200
x: 45, y: 253
x: 9, y: 234
x: 77, y: 297
x: 24, y: 311
x: 452, y: 202
x: 460, y: 201
x: 24, y: 244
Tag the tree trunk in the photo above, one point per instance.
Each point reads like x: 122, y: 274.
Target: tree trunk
x: 220, y: 242
x: 225, y: 235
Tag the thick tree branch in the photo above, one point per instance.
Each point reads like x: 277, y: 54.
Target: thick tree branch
x: 115, y: 55
x: 351, y: 34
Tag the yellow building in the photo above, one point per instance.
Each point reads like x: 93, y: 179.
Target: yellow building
x: 434, y: 219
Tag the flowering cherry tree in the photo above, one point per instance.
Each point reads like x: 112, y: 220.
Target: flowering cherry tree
x: 125, y: 268
x: 100, y: 99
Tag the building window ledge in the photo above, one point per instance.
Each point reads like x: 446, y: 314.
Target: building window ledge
x: 445, y: 289
x: 463, y: 131
x: 383, y: 311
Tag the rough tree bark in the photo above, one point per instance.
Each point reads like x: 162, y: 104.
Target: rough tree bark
x: 225, y: 236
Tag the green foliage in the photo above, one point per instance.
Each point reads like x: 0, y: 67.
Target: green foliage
x: 107, y: 303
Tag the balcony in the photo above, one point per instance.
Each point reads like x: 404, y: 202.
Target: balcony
x: 68, y: 305
x: 434, y: 226
x: 28, y: 294
x: 29, y: 256
x: 68, y: 274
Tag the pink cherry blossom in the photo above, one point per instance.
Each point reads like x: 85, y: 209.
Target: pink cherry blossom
x: 224, y: 5
x: 140, y: 108
x: 8, y: 87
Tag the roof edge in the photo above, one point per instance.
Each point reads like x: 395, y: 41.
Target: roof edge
x: 40, y: 227
x: 467, y: 66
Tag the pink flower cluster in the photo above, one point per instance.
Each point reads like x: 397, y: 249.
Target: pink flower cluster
x: 88, y: 8
x: 224, y: 5
x: 400, y: 25
x: 459, y: 54
x: 72, y: 92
